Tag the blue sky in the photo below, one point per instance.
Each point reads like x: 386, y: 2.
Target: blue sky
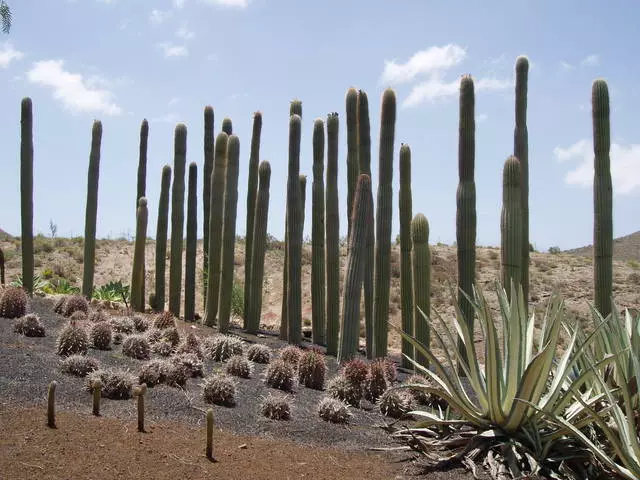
x: 124, y: 60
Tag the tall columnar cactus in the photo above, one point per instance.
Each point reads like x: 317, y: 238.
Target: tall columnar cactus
x: 511, y: 227
x: 161, y: 238
x: 318, y: 323
x: 383, y: 224
x: 303, y: 199
x: 192, y: 242
x: 364, y: 159
x: 294, y: 237
x: 353, y: 168
x: 229, y: 232
x: 521, y: 152
x: 602, y: 198
x: 227, y: 126
x: 206, y: 191
x: 1, y: 267
x: 333, y: 237
x: 142, y: 161
x: 215, y: 230
x: 26, y: 193
x: 466, y: 203
x: 177, y: 218
x: 252, y: 191
x: 138, y: 270
x: 421, y: 263
x: 406, y: 277
x: 91, y: 210
x: 259, y: 244
x: 361, y: 221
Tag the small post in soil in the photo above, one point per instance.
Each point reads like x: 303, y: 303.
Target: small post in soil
x: 139, y: 392
x: 210, y: 434
x: 97, y: 392
x: 51, y: 408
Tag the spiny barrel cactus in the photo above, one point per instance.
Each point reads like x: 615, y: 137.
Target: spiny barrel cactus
x: 177, y: 218
x: 421, y: 263
x: 13, y: 302
x: 192, y: 239
x: 229, y: 232
x: 26, y: 193
x: 353, y: 167
x: 138, y: 270
x: 91, y: 211
x: 511, y: 227
x: 259, y: 244
x: 333, y: 237
x: 360, y: 224
x: 161, y: 238
x: 384, y: 216
x: 142, y: 161
x: 215, y: 232
x: 602, y: 198
x: 406, y: 277
x: 227, y: 126
x: 252, y: 192
x: 206, y: 189
x: 466, y: 203
x: 318, y: 324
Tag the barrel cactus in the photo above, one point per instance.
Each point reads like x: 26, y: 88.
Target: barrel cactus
x: 13, y: 302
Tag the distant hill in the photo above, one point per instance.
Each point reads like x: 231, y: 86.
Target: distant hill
x: 4, y: 235
x: 624, y: 248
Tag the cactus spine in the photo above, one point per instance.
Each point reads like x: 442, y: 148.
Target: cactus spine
x: 227, y: 126
x: 421, y: 263
x: 229, y: 233
x: 206, y: 192
x: 91, y: 211
x: 362, y: 219
x: 364, y: 158
x: 383, y: 224
x: 177, y: 218
x: 318, y: 322
x: 406, y: 277
x: 259, y: 248
x: 252, y: 191
x: 138, y: 273
x: 161, y: 238
x: 142, y: 161
x: 466, y: 203
x: 333, y: 237
x: 602, y: 199
x: 51, y: 404
x: 511, y: 227
x: 215, y: 232
x: 521, y: 152
x: 26, y: 193
x: 192, y: 243
x: 352, y: 150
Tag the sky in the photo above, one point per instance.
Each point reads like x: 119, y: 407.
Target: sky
x: 121, y: 61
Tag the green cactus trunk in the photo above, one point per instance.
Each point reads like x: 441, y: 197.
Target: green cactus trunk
x: 511, y: 227
x: 353, y: 168
x: 206, y: 193
x: 26, y: 193
x: 229, y: 233
x: 138, y: 270
x: 259, y: 245
x: 364, y: 159
x: 91, y: 211
x: 318, y: 292
x: 521, y: 152
x: 294, y: 222
x: 303, y: 199
x: 333, y: 237
x: 384, y: 216
x: 466, y: 204
x: 177, y: 218
x: 361, y: 222
x: 227, y: 126
x: 161, y: 238
x: 406, y: 277
x: 142, y: 161
x: 192, y: 243
x: 252, y: 190
x: 421, y: 263
x: 602, y: 199
x: 215, y: 230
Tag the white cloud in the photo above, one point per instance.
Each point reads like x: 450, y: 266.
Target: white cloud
x: 229, y: 3
x: 8, y: 54
x: 625, y: 165
x: 158, y: 17
x: 184, y: 32
x: 430, y: 60
x: 566, y: 66
x: 171, y: 50
x: 179, y: 4
x: 592, y: 60
x: 173, y: 101
x: 75, y: 93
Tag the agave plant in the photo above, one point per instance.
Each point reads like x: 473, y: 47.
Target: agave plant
x: 40, y: 285
x: 506, y: 410
x: 63, y: 286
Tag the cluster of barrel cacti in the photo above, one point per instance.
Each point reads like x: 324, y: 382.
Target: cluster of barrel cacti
x: 334, y: 324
